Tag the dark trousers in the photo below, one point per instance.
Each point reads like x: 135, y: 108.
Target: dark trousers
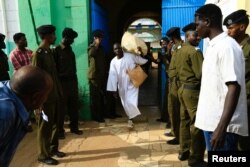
x: 110, y: 104
x: 69, y: 104
x: 191, y: 138
x: 48, y: 131
x: 97, y: 102
x: 244, y: 141
x: 174, y: 108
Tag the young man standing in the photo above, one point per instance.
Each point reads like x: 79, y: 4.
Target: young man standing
x: 237, y: 23
x: 20, y: 56
x: 222, y: 108
x: 66, y: 68
x: 43, y: 57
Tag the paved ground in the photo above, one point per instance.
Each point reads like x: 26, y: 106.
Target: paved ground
x: 109, y: 145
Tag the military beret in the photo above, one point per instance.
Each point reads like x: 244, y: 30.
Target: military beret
x: 173, y: 31
x: 235, y: 17
x: 46, y: 29
x: 2, y: 37
x: 69, y: 32
x: 164, y: 39
x: 98, y: 33
x: 189, y: 27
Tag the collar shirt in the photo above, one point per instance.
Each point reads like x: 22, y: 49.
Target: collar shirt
x: 223, y: 62
x: 13, y: 123
x: 20, y: 58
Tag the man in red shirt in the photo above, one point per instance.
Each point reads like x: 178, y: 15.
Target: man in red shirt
x: 20, y: 56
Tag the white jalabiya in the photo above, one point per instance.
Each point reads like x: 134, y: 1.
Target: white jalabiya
x: 118, y: 78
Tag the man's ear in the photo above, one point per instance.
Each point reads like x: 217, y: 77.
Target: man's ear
x: 243, y: 27
x: 207, y: 22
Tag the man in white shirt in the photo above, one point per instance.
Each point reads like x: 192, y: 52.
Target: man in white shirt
x: 118, y: 78
x: 222, y: 109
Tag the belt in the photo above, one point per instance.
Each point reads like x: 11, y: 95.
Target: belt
x: 192, y: 87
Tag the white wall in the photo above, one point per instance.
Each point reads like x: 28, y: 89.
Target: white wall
x: 9, y: 18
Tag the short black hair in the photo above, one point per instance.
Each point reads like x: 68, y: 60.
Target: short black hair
x: 210, y: 11
x: 98, y: 33
x: 18, y: 36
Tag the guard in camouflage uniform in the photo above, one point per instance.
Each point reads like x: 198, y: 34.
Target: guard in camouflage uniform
x: 4, y: 66
x: 237, y: 23
x: 43, y: 57
x: 189, y: 60
x: 173, y: 82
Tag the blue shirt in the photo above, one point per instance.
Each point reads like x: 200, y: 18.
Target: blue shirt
x: 13, y: 123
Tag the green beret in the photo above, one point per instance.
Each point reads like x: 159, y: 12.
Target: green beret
x: 69, y: 32
x: 189, y: 27
x: 235, y: 17
x: 173, y: 31
x: 46, y: 29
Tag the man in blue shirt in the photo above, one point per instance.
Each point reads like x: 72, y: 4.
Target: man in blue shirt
x: 27, y: 90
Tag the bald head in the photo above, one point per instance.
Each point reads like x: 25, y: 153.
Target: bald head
x: 29, y: 79
x: 32, y: 85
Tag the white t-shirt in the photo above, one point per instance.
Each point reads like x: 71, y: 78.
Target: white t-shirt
x: 223, y: 62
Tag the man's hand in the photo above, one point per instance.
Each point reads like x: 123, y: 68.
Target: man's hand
x: 218, y: 138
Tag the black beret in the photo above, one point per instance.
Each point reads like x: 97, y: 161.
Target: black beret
x: 46, y: 29
x: 98, y: 33
x: 2, y: 37
x: 235, y: 17
x: 69, y: 32
x: 189, y: 27
x: 172, y: 31
x: 164, y: 39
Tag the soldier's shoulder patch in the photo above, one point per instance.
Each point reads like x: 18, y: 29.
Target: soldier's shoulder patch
x: 197, y: 48
x: 40, y: 50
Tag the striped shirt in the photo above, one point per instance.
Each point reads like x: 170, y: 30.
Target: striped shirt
x: 20, y: 58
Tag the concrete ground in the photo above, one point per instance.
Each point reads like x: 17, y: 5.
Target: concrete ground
x: 109, y: 145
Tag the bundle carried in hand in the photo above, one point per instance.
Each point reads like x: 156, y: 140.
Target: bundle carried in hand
x: 137, y: 76
x: 130, y: 43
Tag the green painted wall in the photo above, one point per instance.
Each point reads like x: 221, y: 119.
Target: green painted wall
x: 63, y: 13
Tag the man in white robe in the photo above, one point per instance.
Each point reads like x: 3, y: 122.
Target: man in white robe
x: 118, y: 78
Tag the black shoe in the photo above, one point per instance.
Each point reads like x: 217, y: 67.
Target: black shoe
x: 169, y: 134
x: 199, y: 164
x: 58, y: 154
x: 173, y: 142
x: 100, y: 120
x: 117, y: 115
x: 183, y: 156
x: 29, y: 128
x: 77, y: 131
x: 48, y: 161
x: 160, y: 120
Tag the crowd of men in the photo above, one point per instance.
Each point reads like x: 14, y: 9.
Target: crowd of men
x: 208, y: 95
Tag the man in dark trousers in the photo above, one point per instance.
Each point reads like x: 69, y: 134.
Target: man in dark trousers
x: 66, y: 68
x: 4, y: 66
x: 237, y: 23
x: 47, y: 132
x: 97, y: 75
